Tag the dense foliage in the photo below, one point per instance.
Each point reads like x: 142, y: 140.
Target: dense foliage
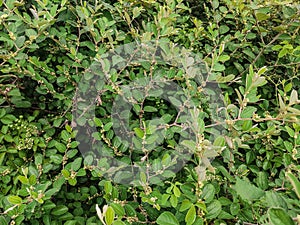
x: 243, y: 166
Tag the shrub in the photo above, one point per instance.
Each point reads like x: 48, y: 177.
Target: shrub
x: 52, y: 52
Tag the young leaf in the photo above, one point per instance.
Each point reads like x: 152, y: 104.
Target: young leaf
x: 173, y: 201
x: 108, y: 187
x: 109, y: 215
x: 139, y: 132
x: 262, y: 71
x: 224, y: 58
x: 294, y: 97
x: 281, y: 103
x: 186, y: 204
x: 191, y: 215
x: 249, y: 78
x: 16, y: 200
x: 176, y: 191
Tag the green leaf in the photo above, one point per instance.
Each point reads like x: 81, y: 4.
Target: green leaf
x: 190, y: 217
x: 282, y: 52
x: 3, y: 221
x: 224, y: 58
x: 224, y: 29
x: 262, y: 16
x: 239, y: 67
x: 81, y: 172
x: 175, y: 101
x: 191, y: 145
x: 176, y: 191
x: 143, y: 177
x: 14, y: 92
x: 2, y: 112
x: 63, y: 2
x: 65, y: 135
x: 228, y: 78
x: 262, y: 71
x: 16, y: 200
x: 108, y: 187
x: 225, y: 215
x: 71, y: 222
x: 219, y: 141
x: 59, y: 210
x: 288, y: 11
x: 59, y: 183
x: 259, y: 81
x: 88, y: 160
x: 247, y: 191
x: 262, y: 180
x: 23, y: 179
x: 109, y: 215
x: 139, y: 132
x: 186, y: 204
x: 295, y: 183
x: 21, y: 104
x: 218, y: 67
x: 150, y: 109
x: 8, y: 119
x: 57, y: 159
x: 275, y: 199
x: 213, y: 209
x: 76, y: 164
x: 118, y: 223
x: 248, y: 112
x: 208, y: 193
x: 107, y: 126
x: 173, y: 201
x: 166, y: 159
x: 65, y: 173
x: 290, y: 131
x: 130, y: 211
x: 249, y: 53
x: 31, y: 33
x: 247, y: 124
x: 278, y: 216
x: 98, y: 122
x: 2, y: 156
x: 281, y: 103
x: 167, y: 218
x: 60, y: 147
x: 119, y: 210
x: 32, y: 179
x: 117, y: 59
x: 72, y: 181
x: 234, y: 208
x: 66, y: 216
x: 215, y: 4
x: 136, y: 11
